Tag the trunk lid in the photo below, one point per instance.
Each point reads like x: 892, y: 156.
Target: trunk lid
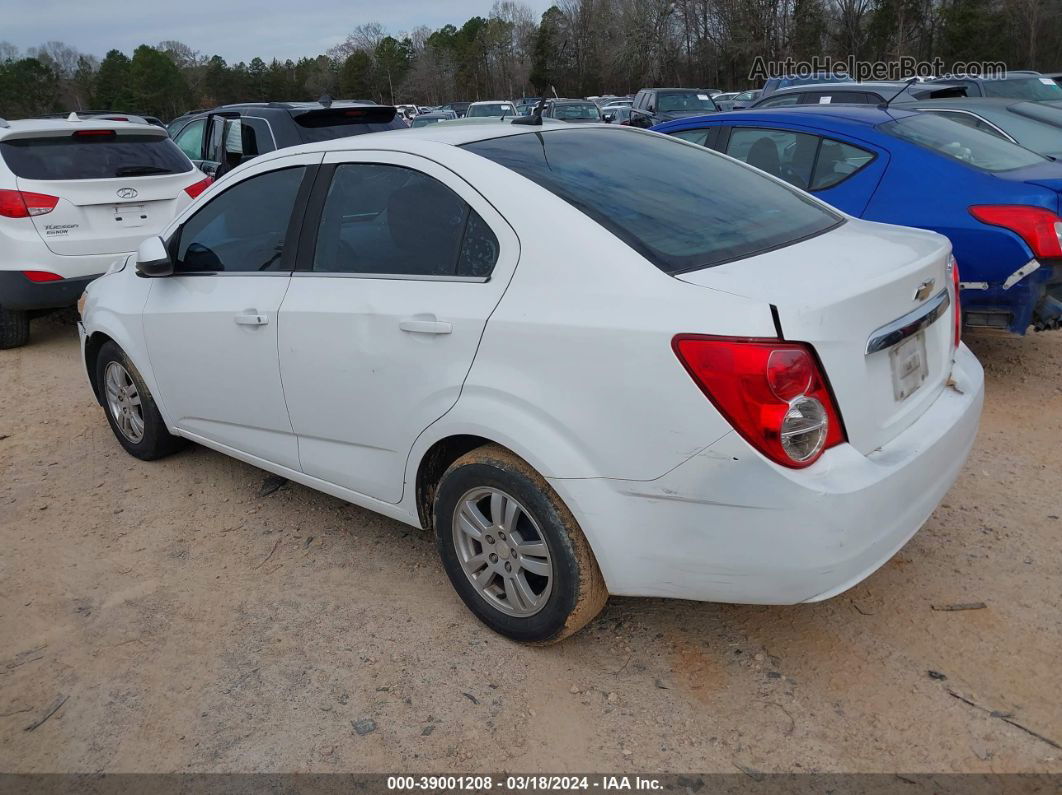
x: 839, y: 290
x: 92, y: 218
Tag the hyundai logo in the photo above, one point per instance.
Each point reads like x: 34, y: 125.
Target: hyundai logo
x: 127, y: 193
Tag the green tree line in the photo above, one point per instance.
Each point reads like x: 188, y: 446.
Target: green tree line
x: 577, y: 47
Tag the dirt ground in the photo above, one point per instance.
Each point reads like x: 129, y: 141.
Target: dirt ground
x: 192, y: 624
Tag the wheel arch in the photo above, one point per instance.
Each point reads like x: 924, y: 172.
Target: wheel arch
x: 93, y: 344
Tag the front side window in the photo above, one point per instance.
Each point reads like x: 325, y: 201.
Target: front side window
x: 190, y: 139
x: 384, y: 219
x: 959, y: 142
x: 93, y: 155
x: 679, y: 206
x: 242, y: 230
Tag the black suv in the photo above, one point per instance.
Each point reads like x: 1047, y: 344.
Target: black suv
x: 657, y: 105
x: 220, y: 139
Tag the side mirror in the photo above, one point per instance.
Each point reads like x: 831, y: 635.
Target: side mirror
x: 152, y: 259
x: 650, y: 108
x: 609, y: 118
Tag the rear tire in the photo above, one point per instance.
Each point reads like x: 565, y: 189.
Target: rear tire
x: 130, y: 408
x: 14, y: 328
x: 530, y: 575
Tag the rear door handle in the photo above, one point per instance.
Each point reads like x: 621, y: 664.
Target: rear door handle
x: 426, y: 326
x: 250, y: 319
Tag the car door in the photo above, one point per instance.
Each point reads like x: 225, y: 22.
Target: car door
x: 385, y: 312
x: 211, y: 327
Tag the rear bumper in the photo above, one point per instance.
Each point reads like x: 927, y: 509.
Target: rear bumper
x: 17, y: 292
x: 729, y: 526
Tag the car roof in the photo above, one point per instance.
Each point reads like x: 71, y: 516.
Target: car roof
x: 971, y: 103
x: 20, y: 127
x: 491, y: 102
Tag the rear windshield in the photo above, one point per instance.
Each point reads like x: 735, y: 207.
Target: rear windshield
x: 93, y: 156
x: 573, y: 110
x: 973, y: 147
x: 319, y: 125
x: 682, y: 207
x: 675, y: 101
x: 1035, y: 88
x: 494, y: 109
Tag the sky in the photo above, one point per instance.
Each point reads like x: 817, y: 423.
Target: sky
x: 237, y: 30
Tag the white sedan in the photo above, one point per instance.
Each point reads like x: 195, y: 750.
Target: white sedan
x: 592, y: 360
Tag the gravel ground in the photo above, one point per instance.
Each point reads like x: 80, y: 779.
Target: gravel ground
x: 192, y: 624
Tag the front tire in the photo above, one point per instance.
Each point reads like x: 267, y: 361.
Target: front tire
x: 130, y: 408
x: 513, y: 551
x: 14, y: 328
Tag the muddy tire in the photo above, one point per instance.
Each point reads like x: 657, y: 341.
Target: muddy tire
x: 513, y: 551
x: 14, y: 328
x: 130, y: 408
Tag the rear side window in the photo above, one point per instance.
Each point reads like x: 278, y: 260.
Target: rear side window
x: 681, y: 207
x: 384, y: 219
x: 91, y: 156
x: 243, y: 229
x: 962, y: 143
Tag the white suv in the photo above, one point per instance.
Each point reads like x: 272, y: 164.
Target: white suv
x: 74, y: 196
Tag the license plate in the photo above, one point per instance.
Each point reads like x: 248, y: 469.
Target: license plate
x: 130, y: 214
x: 909, y: 366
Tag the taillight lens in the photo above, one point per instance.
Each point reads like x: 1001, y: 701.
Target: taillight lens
x: 42, y: 276
x: 958, y: 301
x: 1040, y: 228
x: 195, y: 189
x: 773, y: 393
x: 20, y: 204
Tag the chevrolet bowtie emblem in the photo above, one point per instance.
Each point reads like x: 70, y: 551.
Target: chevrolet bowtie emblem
x: 924, y: 290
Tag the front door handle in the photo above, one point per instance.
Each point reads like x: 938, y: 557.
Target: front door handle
x: 250, y: 319
x: 426, y: 326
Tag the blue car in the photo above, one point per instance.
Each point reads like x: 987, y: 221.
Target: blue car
x: 997, y: 202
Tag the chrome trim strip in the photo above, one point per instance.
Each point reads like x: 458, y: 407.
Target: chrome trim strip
x: 403, y: 277
x: 910, y: 324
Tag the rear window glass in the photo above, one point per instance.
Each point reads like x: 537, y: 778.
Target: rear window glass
x: 339, y: 123
x: 681, y: 207
x: 1036, y: 88
x: 679, y: 101
x: 492, y: 109
x: 585, y: 110
x: 93, y: 157
x: 960, y: 142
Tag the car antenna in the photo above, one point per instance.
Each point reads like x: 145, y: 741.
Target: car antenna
x: 536, y: 115
x: 885, y: 105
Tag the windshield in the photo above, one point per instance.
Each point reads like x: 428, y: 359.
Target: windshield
x: 582, y: 110
x: 93, y: 156
x: 420, y: 121
x: 675, y: 101
x: 967, y: 145
x: 491, y: 109
x: 682, y: 207
x: 1035, y: 88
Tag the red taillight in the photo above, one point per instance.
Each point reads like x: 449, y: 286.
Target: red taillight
x: 42, y: 276
x: 1040, y: 228
x: 20, y: 204
x: 94, y: 133
x: 195, y: 189
x: 958, y: 301
x: 773, y: 393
